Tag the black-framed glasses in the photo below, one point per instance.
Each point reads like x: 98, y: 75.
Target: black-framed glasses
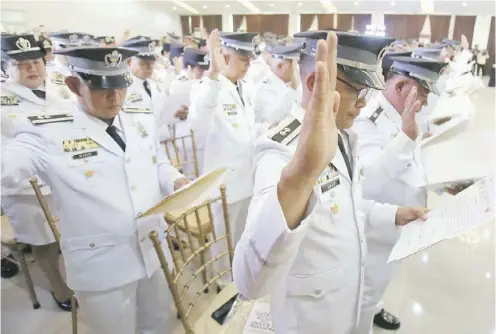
x: 361, y: 93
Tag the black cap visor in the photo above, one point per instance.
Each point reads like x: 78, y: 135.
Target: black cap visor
x: 372, y: 79
x: 28, y: 55
x: 147, y: 57
x: 108, y: 81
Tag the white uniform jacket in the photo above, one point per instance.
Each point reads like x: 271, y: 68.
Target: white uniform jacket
x: 227, y: 126
x: 393, y: 171
x: 273, y: 99
x: 257, y: 71
x: 19, y: 103
x: 314, y: 273
x: 99, y: 191
x: 138, y: 101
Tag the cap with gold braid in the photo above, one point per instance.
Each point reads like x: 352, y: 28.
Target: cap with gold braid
x: 102, y: 67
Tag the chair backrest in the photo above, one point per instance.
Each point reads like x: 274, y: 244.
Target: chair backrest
x: 182, y: 153
x: 181, y: 279
x: 44, y: 206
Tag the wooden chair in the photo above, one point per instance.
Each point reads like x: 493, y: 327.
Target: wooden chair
x: 177, y: 148
x: 184, y: 298
x: 52, y: 222
x: 9, y: 241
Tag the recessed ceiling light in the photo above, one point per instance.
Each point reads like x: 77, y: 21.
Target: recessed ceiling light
x: 417, y: 308
x: 356, y: 3
x: 300, y: 4
x: 464, y: 4
x: 271, y: 5
x: 227, y: 6
x: 174, y: 8
x: 488, y: 275
x: 204, y: 6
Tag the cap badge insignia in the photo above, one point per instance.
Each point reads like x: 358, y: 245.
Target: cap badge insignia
x: 113, y: 59
x: 73, y: 38
x: 46, y: 44
x: 152, y: 46
x: 206, y: 58
x: 23, y: 44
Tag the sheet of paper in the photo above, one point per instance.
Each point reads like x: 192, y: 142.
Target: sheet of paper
x: 259, y: 321
x: 193, y: 194
x: 450, y: 106
x: 469, y: 209
x: 438, y: 130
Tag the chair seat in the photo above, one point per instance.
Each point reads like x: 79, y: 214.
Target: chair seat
x: 207, y: 325
x: 7, y: 233
x: 205, y: 223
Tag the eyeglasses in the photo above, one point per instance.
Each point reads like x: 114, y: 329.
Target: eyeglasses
x: 360, y: 93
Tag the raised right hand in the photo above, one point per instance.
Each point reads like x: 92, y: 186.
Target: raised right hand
x: 217, y: 62
x: 408, y: 116
x: 318, y: 137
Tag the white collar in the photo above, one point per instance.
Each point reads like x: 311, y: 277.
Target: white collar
x: 390, y: 110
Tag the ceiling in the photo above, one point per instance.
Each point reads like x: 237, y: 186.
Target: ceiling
x: 467, y: 7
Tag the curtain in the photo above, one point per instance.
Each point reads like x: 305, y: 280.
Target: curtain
x: 325, y: 21
x: 185, y: 26
x: 490, y: 43
x: 211, y: 22
x: 439, y: 27
x: 306, y: 21
x: 344, y: 22
x: 464, y: 25
x: 404, y: 26
x: 361, y: 22
x: 237, y: 21
x: 276, y: 24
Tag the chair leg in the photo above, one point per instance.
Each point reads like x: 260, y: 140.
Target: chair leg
x: 204, y: 272
x: 74, y: 307
x: 29, y: 281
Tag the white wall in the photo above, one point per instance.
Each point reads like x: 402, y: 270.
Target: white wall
x: 481, y: 31
x: 98, y: 18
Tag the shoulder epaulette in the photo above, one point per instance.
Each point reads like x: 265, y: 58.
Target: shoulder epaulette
x: 286, y: 131
x: 376, y: 114
x: 46, y: 119
x: 9, y: 100
x: 136, y: 110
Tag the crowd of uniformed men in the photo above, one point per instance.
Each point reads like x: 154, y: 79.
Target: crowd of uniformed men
x: 321, y: 132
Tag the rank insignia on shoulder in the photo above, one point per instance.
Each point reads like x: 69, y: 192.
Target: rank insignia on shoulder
x: 135, y: 110
x: 79, y: 144
x: 376, y: 114
x: 286, y: 131
x: 134, y: 97
x: 10, y: 101
x: 45, y: 119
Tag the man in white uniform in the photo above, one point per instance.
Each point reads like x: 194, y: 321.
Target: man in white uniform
x: 103, y: 171
x: 275, y: 95
x: 25, y: 96
x: 390, y: 153
x: 222, y: 117
x: 304, y: 241
x: 196, y: 62
x: 145, y: 95
x: 259, y: 66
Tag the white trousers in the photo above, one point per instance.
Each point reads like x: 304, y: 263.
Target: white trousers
x: 238, y: 212
x: 141, y: 307
x: 377, y: 276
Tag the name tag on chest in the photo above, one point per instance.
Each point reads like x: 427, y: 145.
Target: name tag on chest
x: 326, y: 182
x: 230, y: 110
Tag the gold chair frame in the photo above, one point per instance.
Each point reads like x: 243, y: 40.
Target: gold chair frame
x: 174, y: 144
x: 52, y: 223
x: 174, y: 275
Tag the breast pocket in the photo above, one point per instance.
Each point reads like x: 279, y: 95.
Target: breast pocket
x: 318, y: 299
x: 87, y: 166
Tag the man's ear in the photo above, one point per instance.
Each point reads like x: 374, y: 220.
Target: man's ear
x: 310, y: 81
x: 74, y: 84
x: 400, y: 85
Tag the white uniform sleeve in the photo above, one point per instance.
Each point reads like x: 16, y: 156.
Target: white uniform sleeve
x: 204, y: 101
x: 267, y: 248
x: 381, y: 222
x: 382, y: 164
x: 22, y: 158
x: 166, y: 172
